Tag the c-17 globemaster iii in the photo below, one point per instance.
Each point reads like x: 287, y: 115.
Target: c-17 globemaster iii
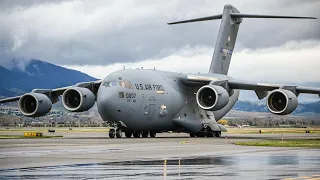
x: 142, y: 102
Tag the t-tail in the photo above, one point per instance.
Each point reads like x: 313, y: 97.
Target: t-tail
x: 230, y: 22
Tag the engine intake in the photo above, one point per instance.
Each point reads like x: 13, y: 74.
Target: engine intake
x: 282, y: 102
x: 212, y: 97
x: 34, y: 104
x: 78, y: 99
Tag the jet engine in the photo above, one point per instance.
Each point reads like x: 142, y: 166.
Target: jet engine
x: 282, y: 102
x: 78, y: 99
x: 34, y: 104
x: 212, y: 97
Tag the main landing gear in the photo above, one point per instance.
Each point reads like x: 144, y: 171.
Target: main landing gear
x: 207, y: 132
x: 129, y: 133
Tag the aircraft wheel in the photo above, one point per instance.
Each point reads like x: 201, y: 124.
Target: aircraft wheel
x: 210, y: 134
x: 152, y: 134
x: 145, y: 134
x: 192, y: 134
x: 119, y: 133
x: 112, y: 133
x: 201, y: 134
x: 217, y: 134
x: 128, y: 134
x: 136, y: 134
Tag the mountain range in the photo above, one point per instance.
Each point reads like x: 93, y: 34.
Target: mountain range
x: 19, y: 79
x: 306, y: 107
x: 37, y: 74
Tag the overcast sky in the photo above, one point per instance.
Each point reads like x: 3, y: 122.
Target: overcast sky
x: 98, y: 37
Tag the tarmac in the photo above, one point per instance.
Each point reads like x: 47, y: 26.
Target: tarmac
x: 168, y: 156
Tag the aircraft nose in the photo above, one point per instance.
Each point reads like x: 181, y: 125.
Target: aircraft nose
x: 107, y: 101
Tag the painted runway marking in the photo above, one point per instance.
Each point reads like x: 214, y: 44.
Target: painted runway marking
x: 184, y: 142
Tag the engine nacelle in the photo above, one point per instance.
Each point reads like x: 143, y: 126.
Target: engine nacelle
x: 212, y: 97
x: 34, y: 104
x: 78, y: 99
x: 282, y: 102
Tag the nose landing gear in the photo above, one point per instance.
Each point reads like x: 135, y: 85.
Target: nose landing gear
x: 119, y: 133
x: 115, y: 133
x: 112, y: 133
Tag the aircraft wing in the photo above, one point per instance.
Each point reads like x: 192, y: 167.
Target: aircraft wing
x: 92, y: 85
x: 11, y: 99
x: 261, y: 89
x: 235, y: 84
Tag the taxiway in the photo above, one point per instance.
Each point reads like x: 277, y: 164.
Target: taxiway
x: 170, y: 155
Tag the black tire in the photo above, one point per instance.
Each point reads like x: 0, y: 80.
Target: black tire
x: 217, y: 134
x: 192, y: 134
x: 128, y: 134
x: 201, y: 134
x: 152, y: 134
x: 112, y: 133
x: 210, y: 134
x: 119, y: 133
x: 145, y: 134
x: 136, y: 134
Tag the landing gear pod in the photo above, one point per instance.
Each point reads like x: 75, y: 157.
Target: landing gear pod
x: 212, y: 97
x: 282, y: 102
x: 78, y: 99
x: 34, y: 104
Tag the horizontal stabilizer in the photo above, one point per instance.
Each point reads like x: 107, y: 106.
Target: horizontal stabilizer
x: 219, y: 16
x: 239, y: 15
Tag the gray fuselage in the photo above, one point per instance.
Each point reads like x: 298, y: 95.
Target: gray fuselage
x: 154, y: 100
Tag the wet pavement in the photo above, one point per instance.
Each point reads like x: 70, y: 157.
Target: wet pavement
x: 293, y: 164
x: 159, y: 158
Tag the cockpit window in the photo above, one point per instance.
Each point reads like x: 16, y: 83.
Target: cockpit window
x: 113, y: 83
x: 106, y: 84
x: 110, y: 83
x: 125, y: 84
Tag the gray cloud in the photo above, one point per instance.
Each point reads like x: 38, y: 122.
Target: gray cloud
x: 106, y: 32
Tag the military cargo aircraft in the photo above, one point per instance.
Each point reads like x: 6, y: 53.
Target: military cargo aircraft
x: 143, y: 102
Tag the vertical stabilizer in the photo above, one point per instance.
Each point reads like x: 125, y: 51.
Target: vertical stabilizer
x: 230, y: 22
x: 226, y: 38
x: 225, y: 41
